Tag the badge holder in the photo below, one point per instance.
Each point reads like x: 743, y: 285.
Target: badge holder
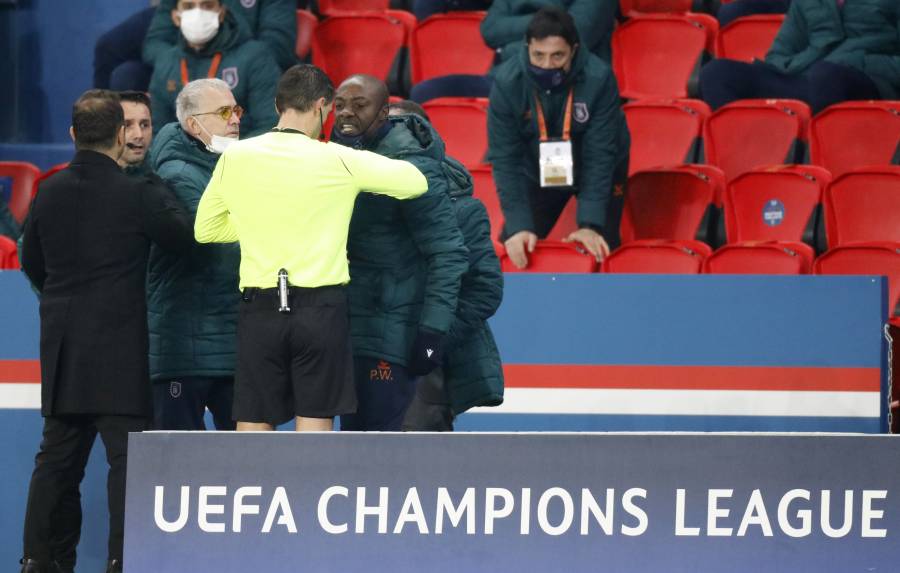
x: 556, y: 164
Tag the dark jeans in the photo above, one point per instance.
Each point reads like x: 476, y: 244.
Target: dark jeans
x: 430, y: 408
x: 180, y: 404
x: 820, y: 85
x: 384, y: 391
x: 117, y: 55
x: 729, y: 12
x: 53, y: 511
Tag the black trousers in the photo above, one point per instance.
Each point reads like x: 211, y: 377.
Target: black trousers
x: 430, y: 409
x: 53, y: 511
x: 181, y: 403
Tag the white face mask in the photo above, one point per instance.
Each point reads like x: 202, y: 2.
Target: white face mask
x: 217, y: 143
x: 199, y: 26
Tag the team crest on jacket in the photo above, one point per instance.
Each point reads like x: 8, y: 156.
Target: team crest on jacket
x: 230, y: 77
x: 175, y: 389
x: 248, y: 3
x: 580, y: 112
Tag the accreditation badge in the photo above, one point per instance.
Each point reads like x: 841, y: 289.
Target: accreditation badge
x: 556, y: 165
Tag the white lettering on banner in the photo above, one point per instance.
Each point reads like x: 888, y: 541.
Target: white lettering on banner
x: 635, y: 511
x: 680, y: 529
x: 491, y: 511
x: 240, y: 509
x: 205, y: 509
x: 455, y: 513
x: 713, y: 513
x: 590, y: 506
x: 804, y: 515
x: 159, y: 493
x: 568, y: 511
x: 280, y: 505
x: 868, y: 514
x: 756, y: 514
x: 525, y: 514
x: 825, y: 516
x: 412, y: 512
x: 380, y: 510
x: 324, y: 522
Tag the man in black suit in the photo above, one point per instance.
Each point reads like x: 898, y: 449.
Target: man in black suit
x: 86, y: 244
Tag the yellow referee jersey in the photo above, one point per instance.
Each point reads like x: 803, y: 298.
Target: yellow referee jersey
x: 288, y: 199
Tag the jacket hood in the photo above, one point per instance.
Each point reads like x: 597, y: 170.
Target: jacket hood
x: 173, y: 144
x: 411, y: 134
x: 578, y: 63
x: 230, y: 34
x: 459, y: 180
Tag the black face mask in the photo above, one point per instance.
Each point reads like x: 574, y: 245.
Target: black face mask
x: 360, y: 141
x: 547, y: 79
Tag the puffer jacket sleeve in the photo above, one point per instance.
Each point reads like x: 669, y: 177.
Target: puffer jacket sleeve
x: 277, y: 28
x: 264, y: 76
x: 502, y: 26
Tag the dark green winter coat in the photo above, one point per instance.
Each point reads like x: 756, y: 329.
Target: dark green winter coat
x: 473, y: 372
x: 192, y: 299
x: 864, y: 34
x: 600, y: 139
x: 272, y: 22
x: 507, y: 20
x: 406, y: 257
x: 247, y: 67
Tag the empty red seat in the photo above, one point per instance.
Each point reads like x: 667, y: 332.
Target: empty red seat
x: 358, y: 44
x: 761, y: 258
x: 775, y: 204
x: 748, y: 38
x: 566, y: 223
x: 669, y: 203
x: 338, y: 7
x: 665, y: 132
x: 659, y: 55
x: 855, y: 134
x: 8, y: 253
x: 22, y: 176
x: 877, y: 258
x: 483, y: 182
x: 747, y: 134
x: 462, y: 123
x: 637, y: 7
x: 306, y: 27
x: 446, y: 44
x: 554, y: 257
x: 658, y: 257
x: 863, y: 205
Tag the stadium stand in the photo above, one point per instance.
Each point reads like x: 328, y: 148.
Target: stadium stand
x: 483, y: 182
x: 342, y: 7
x: 856, y: 134
x: 875, y: 258
x: 448, y: 44
x: 665, y: 132
x: 748, y: 38
x: 462, y: 123
x: 554, y: 257
x: 761, y: 258
x: 23, y: 175
x: 658, y: 257
x: 306, y: 28
x: 631, y: 8
x: 863, y: 205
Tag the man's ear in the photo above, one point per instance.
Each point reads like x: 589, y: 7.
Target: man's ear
x: 176, y: 18
x: 72, y: 133
x: 222, y: 11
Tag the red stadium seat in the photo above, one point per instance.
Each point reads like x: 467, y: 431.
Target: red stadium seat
x: 306, y: 27
x: 567, y: 222
x: 748, y: 134
x: 671, y: 203
x: 660, y: 55
x: 483, y: 181
x: 446, y: 44
x: 340, y: 7
x: 775, y: 204
x: 855, y: 134
x: 55, y: 169
x: 658, y: 257
x: 554, y: 257
x: 637, y: 7
x: 8, y: 254
x: 358, y: 44
x: 863, y: 205
x: 748, y: 38
x: 877, y: 258
x: 665, y: 132
x: 22, y: 175
x: 761, y: 258
x: 462, y: 123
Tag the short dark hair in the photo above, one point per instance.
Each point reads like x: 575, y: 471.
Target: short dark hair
x: 301, y: 86
x: 410, y: 107
x: 97, y: 117
x: 552, y: 21
x: 135, y: 97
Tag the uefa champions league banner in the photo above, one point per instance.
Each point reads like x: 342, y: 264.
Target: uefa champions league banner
x: 512, y: 503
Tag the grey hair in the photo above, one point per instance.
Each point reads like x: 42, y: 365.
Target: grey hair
x: 188, y: 101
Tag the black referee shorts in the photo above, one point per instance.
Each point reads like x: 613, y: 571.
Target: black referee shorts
x: 293, y: 364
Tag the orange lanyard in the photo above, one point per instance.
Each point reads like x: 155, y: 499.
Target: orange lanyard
x: 567, y: 121
x: 213, y: 68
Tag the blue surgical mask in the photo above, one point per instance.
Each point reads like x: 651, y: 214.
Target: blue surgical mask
x: 547, y: 79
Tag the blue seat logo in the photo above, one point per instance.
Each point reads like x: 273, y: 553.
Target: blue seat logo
x: 773, y: 213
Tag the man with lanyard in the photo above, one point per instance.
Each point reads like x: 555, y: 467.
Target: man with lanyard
x: 554, y: 87
x: 212, y: 45
x: 288, y: 199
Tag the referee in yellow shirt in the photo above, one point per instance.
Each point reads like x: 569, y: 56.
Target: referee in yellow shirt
x: 288, y: 199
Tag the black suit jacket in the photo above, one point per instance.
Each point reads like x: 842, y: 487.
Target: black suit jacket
x: 85, y: 248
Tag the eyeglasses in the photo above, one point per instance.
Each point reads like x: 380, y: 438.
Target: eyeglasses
x: 225, y: 112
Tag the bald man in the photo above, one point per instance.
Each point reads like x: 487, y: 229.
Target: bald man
x: 406, y: 260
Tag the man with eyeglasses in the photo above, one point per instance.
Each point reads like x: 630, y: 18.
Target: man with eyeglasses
x: 193, y: 298
x: 213, y: 45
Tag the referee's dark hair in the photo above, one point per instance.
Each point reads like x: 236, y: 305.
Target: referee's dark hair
x: 97, y: 117
x: 135, y: 97
x: 552, y: 21
x: 301, y: 86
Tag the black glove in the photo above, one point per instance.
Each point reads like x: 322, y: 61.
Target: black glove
x: 427, y: 352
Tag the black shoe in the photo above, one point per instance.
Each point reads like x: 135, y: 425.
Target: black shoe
x: 114, y: 566
x: 39, y: 566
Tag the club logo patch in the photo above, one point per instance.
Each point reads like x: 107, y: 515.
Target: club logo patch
x: 580, y: 112
x: 175, y: 389
x: 248, y: 3
x: 773, y: 213
x: 230, y: 77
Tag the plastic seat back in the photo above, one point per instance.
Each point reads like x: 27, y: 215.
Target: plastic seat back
x: 863, y: 205
x: 446, y: 44
x: 761, y: 258
x: 486, y: 192
x: 777, y: 204
x: 877, y: 258
x: 554, y: 257
x: 855, y: 134
x: 658, y: 257
x: 358, y: 44
x: 8, y: 254
x: 667, y: 204
x: 306, y: 27
x: 660, y: 55
x: 636, y: 7
x: 16, y: 183
x: 665, y: 132
x: 340, y: 7
x: 462, y: 123
x: 748, y: 38
x: 748, y: 134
